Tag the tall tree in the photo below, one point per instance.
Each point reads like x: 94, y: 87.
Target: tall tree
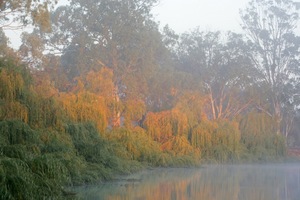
x: 270, y: 27
x: 117, y: 34
x: 222, y: 68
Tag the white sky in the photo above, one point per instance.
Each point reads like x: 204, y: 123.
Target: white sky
x: 213, y: 15
x: 184, y: 15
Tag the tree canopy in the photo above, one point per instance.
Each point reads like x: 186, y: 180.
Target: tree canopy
x: 270, y: 27
x: 107, y: 91
x: 17, y: 13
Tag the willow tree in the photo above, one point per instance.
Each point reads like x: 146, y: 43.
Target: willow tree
x: 11, y: 91
x: 270, y: 27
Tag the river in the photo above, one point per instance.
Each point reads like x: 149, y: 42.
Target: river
x: 210, y: 182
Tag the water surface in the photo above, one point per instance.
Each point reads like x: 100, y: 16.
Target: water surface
x: 233, y: 182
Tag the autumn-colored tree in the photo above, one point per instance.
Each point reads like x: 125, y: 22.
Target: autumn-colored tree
x: 180, y: 146
x: 134, y: 111
x: 43, y: 85
x: 11, y: 92
x: 20, y: 98
x: 131, y: 46
x: 85, y: 107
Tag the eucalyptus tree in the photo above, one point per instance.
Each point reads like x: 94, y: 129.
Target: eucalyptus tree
x: 222, y: 68
x: 118, y: 34
x: 17, y: 13
x: 3, y: 43
x: 270, y: 27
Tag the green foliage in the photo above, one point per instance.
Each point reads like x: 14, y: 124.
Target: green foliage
x: 12, y: 90
x: 43, y: 112
x: 25, y: 173
x: 19, y: 100
x: 50, y: 145
x: 227, y: 136
x: 257, y: 124
x: 17, y: 132
x: 45, y: 161
x: 51, y: 167
x: 16, y: 180
x: 37, y: 179
x: 219, y: 141
x: 50, y: 139
x: 260, y: 139
x: 97, y: 152
x: 138, y: 145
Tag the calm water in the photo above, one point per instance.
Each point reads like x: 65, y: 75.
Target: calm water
x: 236, y: 182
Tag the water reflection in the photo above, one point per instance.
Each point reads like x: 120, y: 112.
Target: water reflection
x: 242, y: 182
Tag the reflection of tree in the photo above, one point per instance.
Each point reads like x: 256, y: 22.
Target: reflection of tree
x: 243, y: 182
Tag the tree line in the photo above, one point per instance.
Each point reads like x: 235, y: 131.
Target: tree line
x: 99, y: 84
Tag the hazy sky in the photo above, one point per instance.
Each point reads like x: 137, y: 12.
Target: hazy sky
x: 183, y: 15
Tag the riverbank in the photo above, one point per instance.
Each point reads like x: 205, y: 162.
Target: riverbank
x: 226, y: 182
x: 156, y: 177
x: 294, y: 152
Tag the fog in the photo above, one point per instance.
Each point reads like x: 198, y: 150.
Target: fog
x: 185, y: 16
x: 228, y: 182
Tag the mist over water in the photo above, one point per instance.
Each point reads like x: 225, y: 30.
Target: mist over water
x: 211, y: 182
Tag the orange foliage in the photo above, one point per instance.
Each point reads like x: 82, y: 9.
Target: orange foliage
x: 179, y: 145
x: 43, y: 85
x: 12, y: 84
x: 100, y: 82
x: 92, y: 98
x: 14, y: 110
x: 84, y: 107
x: 134, y: 110
x: 11, y: 88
